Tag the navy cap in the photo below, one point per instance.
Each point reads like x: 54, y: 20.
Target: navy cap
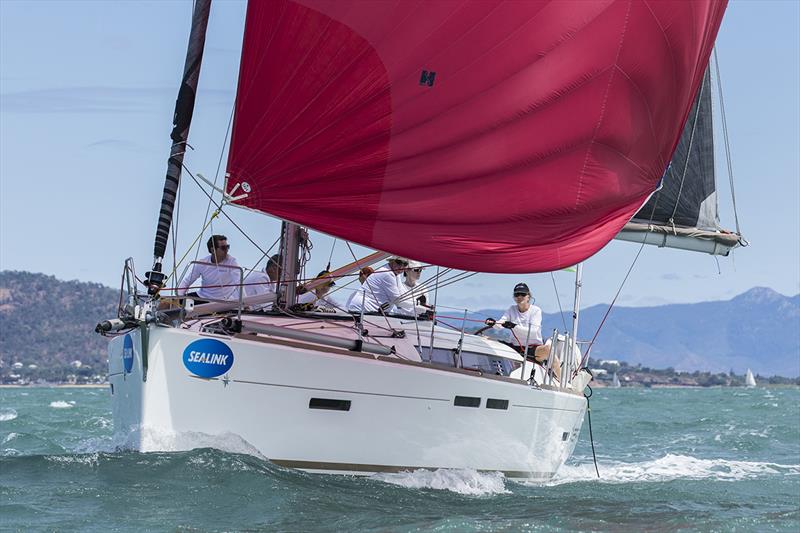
x: 521, y: 287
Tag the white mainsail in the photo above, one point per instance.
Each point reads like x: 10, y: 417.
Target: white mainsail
x: 749, y: 380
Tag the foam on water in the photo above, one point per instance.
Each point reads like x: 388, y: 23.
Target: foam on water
x: 157, y: 440
x: 462, y: 481
x: 671, y: 467
x: 7, y: 414
x: 61, y: 404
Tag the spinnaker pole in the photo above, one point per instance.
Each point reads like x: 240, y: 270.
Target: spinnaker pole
x: 184, y: 108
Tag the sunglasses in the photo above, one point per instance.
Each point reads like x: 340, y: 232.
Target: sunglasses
x: 225, y: 247
x: 518, y: 294
x: 417, y: 270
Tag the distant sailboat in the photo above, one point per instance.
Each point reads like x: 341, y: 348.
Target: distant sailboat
x: 749, y: 380
x: 615, y: 381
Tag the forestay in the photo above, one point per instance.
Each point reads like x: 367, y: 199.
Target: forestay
x: 485, y: 136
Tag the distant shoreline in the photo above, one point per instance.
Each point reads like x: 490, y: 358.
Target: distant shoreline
x: 56, y: 386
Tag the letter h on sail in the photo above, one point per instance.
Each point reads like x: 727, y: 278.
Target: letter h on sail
x: 427, y: 78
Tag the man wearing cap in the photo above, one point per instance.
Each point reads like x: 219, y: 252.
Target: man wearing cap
x: 525, y: 322
x: 318, y: 298
x: 415, y: 298
x: 383, y: 288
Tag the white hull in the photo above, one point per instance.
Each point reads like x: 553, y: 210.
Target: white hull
x: 401, y: 414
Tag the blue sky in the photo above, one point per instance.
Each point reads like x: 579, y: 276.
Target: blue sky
x: 87, y: 91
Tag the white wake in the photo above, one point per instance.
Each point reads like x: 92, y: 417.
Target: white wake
x: 461, y: 481
x: 671, y: 467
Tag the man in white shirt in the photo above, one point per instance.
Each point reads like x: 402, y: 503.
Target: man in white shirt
x: 220, y: 276
x: 266, y: 282
x: 383, y: 288
x: 415, y: 299
x: 358, y: 294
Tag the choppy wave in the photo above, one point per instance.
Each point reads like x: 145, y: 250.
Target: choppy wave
x: 462, y: 481
x: 152, y: 440
x: 7, y: 414
x: 61, y: 404
x: 671, y: 467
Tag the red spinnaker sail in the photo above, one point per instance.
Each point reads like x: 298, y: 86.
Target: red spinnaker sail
x: 489, y: 136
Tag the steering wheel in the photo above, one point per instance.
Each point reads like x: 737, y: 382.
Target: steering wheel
x: 484, y: 328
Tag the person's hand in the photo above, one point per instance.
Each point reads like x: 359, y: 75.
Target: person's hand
x: 508, y: 324
x: 490, y: 322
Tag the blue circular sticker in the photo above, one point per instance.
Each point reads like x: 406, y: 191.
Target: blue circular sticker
x: 127, y: 354
x: 208, y: 358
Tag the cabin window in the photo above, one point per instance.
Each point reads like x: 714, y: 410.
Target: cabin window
x: 486, y: 363
x: 494, y: 403
x: 328, y: 404
x: 467, y: 401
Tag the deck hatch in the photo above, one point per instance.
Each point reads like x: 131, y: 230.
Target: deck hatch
x: 329, y: 404
x: 467, y: 401
x: 494, y: 403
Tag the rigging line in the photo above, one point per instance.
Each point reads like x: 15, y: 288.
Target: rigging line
x: 727, y: 145
x: 456, y: 279
x: 174, y: 229
x: 330, y: 257
x: 688, y: 152
x: 189, y: 250
x: 611, y: 305
x: 264, y: 255
x: 216, y: 174
x: 560, y: 309
x: 433, y: 321
x: 219, y: 208
x: 420, y: 287
x: 591, y: 436
x: 380, y: 308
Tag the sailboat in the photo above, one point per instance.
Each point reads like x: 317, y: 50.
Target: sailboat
x: 508, y: 137
x: 615, y: 384
x: 749, y: 379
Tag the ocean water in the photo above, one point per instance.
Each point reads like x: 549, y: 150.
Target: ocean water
x: 669, y: 460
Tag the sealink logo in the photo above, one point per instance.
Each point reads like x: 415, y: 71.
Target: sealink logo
x: 208, y: 358
x: 127, y: 354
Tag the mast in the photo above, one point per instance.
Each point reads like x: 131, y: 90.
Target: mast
x: 293, y: 237
x: 184, y: 108
x: 576, y: 310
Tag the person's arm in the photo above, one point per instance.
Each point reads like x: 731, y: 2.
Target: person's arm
x: 191, y: 277
x: 535, y: 335
x: 498, y: 324
x: 390, y: 285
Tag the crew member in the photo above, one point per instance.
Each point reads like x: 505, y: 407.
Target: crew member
x: 383, y: 288
x: 318, y: 298
x: 357, y: 294
x: 415, y: 299
x: 219, y: 273
x: 525, y: 322
x: 265, y: 282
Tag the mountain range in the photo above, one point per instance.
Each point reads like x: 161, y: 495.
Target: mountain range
x: 50, y: 323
